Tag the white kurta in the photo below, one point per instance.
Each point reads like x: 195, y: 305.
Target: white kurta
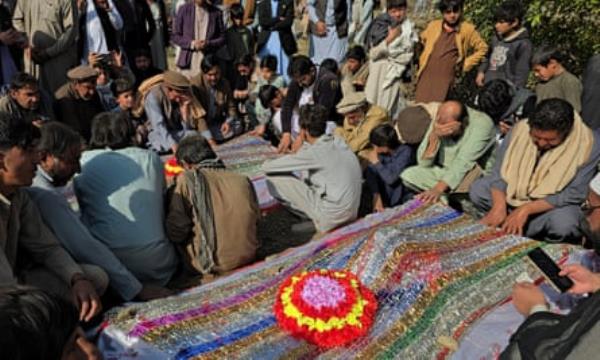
x: 330, y: 46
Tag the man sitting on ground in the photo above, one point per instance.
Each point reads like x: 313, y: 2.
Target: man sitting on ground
x: 30, y: 253
x: 205, y: 202
x: 329, y: 192
x: 541, y: 175
x: 25, y: 101
x: 60, y: 151
x: 457, y: 148
x: 360, y: 118
x: 77, y: 101
x: 121, y: 194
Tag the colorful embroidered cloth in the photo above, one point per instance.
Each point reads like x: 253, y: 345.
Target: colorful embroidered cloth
x: 434, y: 272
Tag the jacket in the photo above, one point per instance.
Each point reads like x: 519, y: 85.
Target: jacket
x: 138, y: 23
x: 508, y: 59
x: 183, y: 32
x: 471, y: 47
x: 225, y: 106
x: 285, y: 10
x: 72, y: 110
x: 326, y: 92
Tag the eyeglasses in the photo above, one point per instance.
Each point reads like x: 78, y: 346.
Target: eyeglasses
x: 587, y: 208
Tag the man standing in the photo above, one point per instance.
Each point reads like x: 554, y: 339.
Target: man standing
x: 451, y: 45
x: 329, y: 21
x: 138, y: 25
x: 329, y: 191
x: 30, y: 253
x: 541, y: 175
x: 77, y: 102
x: 52, y: 31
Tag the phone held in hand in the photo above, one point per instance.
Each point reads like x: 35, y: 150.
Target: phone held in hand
x: 550, y: 270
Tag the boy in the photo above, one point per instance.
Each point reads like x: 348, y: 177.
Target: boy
x: 554, y: 80
x: 355, y: 71
x: 271, y: 98
x: 239, y: 40
x: 266, y: 76
x: 243, y: 82
x: 509, y: 55
x: 125, y: 94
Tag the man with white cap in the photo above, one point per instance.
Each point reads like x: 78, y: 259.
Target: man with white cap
x: 360, y: 118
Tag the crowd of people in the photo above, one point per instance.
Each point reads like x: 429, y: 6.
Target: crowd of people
x: 89, y: 110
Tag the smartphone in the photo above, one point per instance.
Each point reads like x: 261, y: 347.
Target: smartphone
x: 550, y: 269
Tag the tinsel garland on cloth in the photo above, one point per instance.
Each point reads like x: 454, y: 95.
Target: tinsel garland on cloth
x: 434, y: 273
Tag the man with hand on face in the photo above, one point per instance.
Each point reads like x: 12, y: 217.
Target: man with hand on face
x: 60, y: 151
x: 541, y: 175
x: 457, y: 148
x: 24, y: 101
x: 77, y: 101
x: 30, y: 252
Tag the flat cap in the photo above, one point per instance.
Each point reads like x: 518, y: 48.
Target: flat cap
x: 412, y: 124
x: 351, y: 102
x: 176, y: 81
x: 82, y: 72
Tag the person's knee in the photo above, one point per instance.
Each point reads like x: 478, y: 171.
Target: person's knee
x: 563, y: 225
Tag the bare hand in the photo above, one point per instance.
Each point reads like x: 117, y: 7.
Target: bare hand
x: 117, y: 58
x: 430, y: 196
x: 225, y: 128
x: 393, y: 33
x: 258, y: 131
x: 373, y: 157
x: 10, y: 37
x: 378, y: 203
x: 447, y: 129
x: 515, y: 222
x: 94, y: 58
x: 284, y: 143
x: 298, y: 142
x: 86, y: 299
x: 504, y: 127
x: 321, y: 28
x: 526, y: 296
x: 494, y: 218
x: 151, y: 292
x: 584, y: 280
x: 480, y: 79
x: 199, y: 44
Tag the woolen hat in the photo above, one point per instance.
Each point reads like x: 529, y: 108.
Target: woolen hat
x: 176, y: 81
x: 412, y: 124
x: 82, y: 72
x: 351, y: 102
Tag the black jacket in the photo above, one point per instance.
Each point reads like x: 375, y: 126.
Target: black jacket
x: 138, y: 24
x: 326, y: 92
x: 285, y: 10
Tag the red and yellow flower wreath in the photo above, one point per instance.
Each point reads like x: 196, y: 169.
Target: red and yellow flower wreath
x: 326, y: 307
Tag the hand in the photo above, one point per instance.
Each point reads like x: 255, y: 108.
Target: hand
x: 378, y: 203
x: 151, y: 292
x: 94, y: 58
x: 284, y: 143
x: 494, y: 218
x: 117, y: 58
x: 321, y: 28
x: 225, y: 128
x: 515, y: 221
x: 480, y: 79
x: 525, y: 296
x: 199, y: 44
x: 430, y: 196
x: 447, y: 129
x: 298, y: 142
x: 584, y: 280
x: 10, y: 37
x: 184, y: 107
x: 258, y: 131
x: 504, y: 127
x: 85, y: 298
x: 39, y: 56
x: 373, y: 157
x: 81, y: 5
x: 393, y: 33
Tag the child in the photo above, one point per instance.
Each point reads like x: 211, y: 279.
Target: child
x: 242, y: 84
x: 239, y: 40
x: 271, y: 98
x: 388, y: 159
x: 355, y: 71
x: 124, y: 93
x: 554, y: 80
x: 267, y: 75
x: 509, y: 55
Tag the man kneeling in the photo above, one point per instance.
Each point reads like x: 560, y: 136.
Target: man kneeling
x: 541, y: 175
x: 213, y: 213
x: 329, y: 192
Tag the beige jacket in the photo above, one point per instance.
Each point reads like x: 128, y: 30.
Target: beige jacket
x: 25, y: 239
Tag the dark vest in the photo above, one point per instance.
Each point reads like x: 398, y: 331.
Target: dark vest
x: 341, y: 16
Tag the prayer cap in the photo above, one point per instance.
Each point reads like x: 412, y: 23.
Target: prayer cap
x: 351, y: 102
x: 412, y: 124
x: 176, y: 81
x: 82, y: 72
